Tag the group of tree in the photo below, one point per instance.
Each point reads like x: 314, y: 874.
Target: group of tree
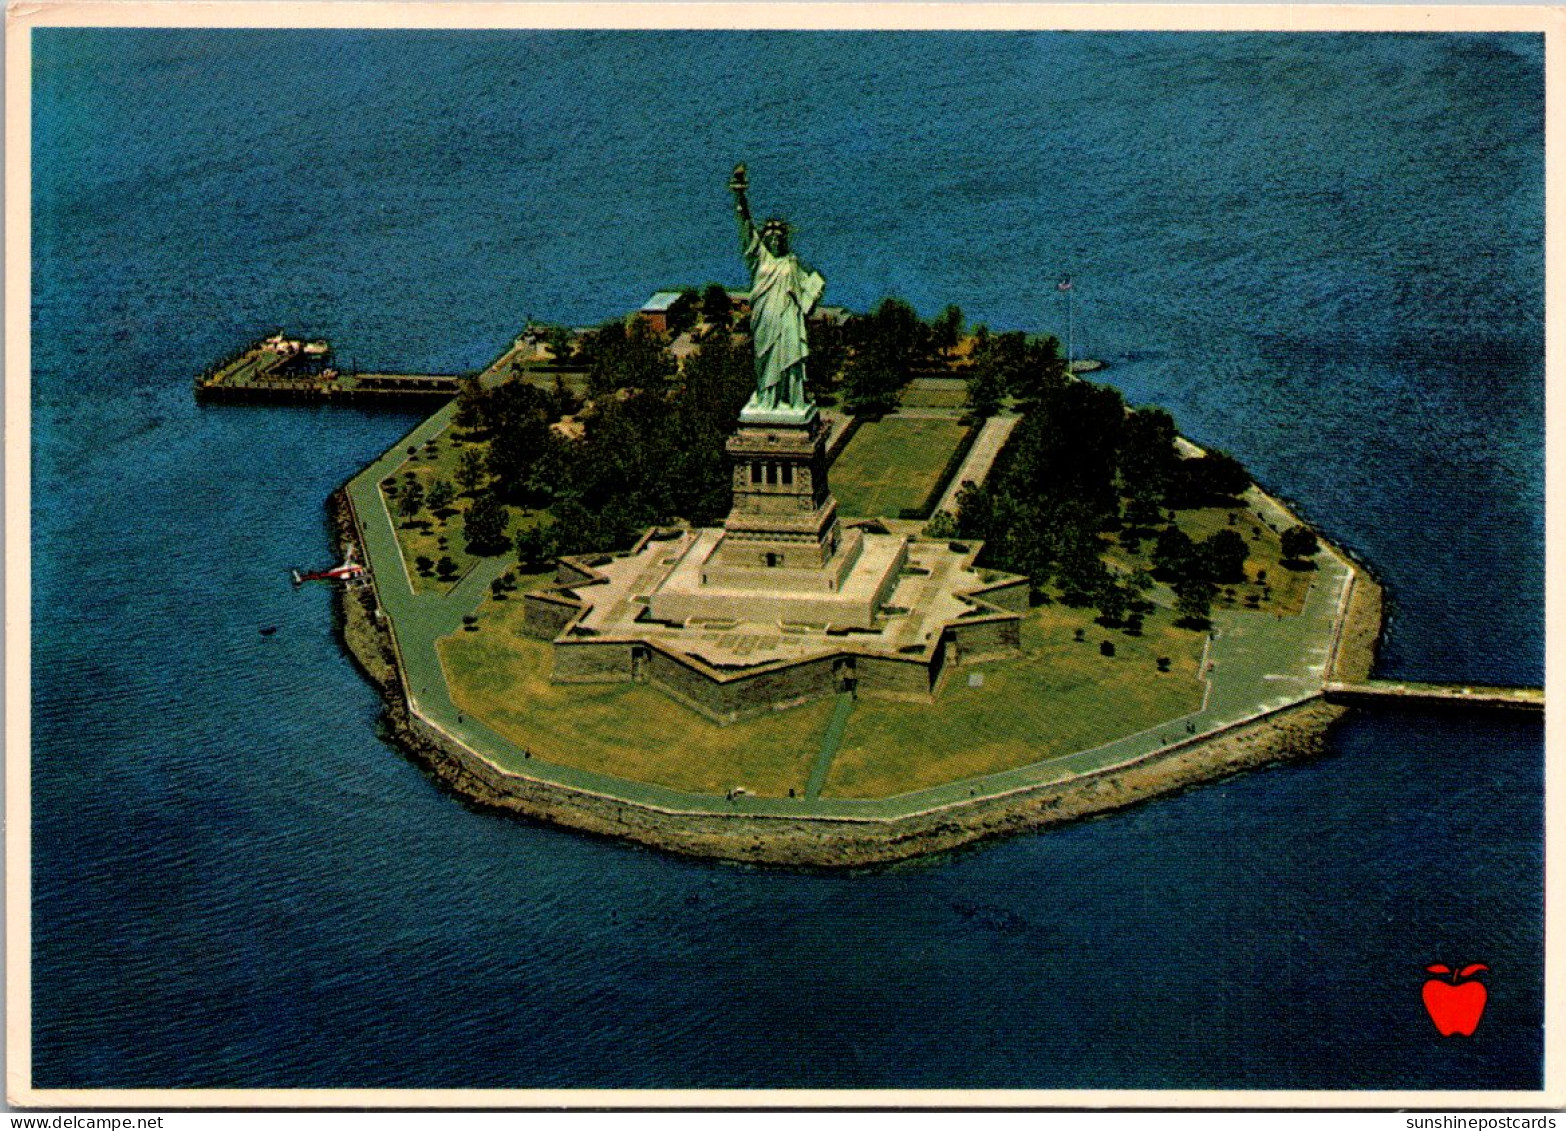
x: 1299, y: 544
x: 1079, y: 465
x: 883, y: 350
x: 651, y: 453
x: 624, y: 355
x: 1195, y: 570
x: 1012, y: 365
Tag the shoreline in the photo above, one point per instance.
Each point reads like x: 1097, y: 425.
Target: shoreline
x: 1296, y: 731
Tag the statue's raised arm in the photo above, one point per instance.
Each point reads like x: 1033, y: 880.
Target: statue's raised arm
x: 782, y: 294
x: 738, y: 184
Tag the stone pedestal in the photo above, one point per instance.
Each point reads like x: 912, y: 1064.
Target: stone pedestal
x: 782, y: 556
x: 784, y: 515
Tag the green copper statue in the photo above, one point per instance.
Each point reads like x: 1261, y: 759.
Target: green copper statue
x: 783, y: 292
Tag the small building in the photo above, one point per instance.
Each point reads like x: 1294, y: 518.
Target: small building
x: 655, y: 311
x: 298, y: 358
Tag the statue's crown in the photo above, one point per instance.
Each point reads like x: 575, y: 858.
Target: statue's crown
x: 775, y: 225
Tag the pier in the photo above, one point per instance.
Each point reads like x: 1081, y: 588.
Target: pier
x: 283, y: 370
x: 1384, y: 692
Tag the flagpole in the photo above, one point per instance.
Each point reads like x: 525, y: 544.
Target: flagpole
x: 1071, y: 295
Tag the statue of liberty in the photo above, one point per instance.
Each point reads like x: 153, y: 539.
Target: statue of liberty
x: 783, y: 292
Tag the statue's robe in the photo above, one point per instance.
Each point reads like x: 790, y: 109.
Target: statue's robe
x: 782, y: 293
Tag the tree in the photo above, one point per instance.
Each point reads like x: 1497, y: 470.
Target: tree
x: 411, y: 500
x: 441, y: 496
x: 565, y: 401
x: 1173, y: 551
x: 470, y: 470
x: 871, y: 384
x: 485, y: 525
x: 423, y: 564
x: 1223, y: 557
x: 561, y: 342
x: 717, y: 309
x: 946, y: 330
x: 1039, y: 370
x: 1112, y: 600
x: 1300, y: 542
x: 520, y: 416
x: 941, y: 525
x: 1216, y: 477
x: 1142, y: 512
x: 682, y: 312
x: 828, y: 355
x: 887, y: 344
x: 975, y: 511
x: 446, y: 568
x: 1147, y: 461
x: 471, y: 397
x: 1082, y: 575
x: 1194, y: 599
x: 537, y: 545
x: 984, y: 391
x: 628, y: 358
x: 685, y: 470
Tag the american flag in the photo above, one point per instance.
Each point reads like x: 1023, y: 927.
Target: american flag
x: 1064, y: 284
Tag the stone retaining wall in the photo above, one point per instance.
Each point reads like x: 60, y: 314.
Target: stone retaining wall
x: 977, y: 639
x: 835, y: 842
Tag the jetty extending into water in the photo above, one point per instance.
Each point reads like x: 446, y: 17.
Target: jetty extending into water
x: 1389, y: 692
x: 284, y: 370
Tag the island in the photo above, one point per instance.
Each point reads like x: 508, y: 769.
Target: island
x: 748, y: 577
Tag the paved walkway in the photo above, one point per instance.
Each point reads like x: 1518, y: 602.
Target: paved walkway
x: 976, y: 467
x: 830, y: 741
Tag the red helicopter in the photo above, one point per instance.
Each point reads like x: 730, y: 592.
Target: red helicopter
x: 348, y: 572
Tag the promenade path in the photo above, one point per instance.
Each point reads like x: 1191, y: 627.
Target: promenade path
x: 976, y: 467
x: 1256, y: 664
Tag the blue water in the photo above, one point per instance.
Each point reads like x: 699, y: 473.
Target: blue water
x: 1323, y: 253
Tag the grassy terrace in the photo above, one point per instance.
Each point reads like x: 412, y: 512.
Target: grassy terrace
x: 935, y: 392
x: 434, y: 535
x: 893, y: 464
x: 625, y: 729
x: 1285, y: 586
x: 1062, y: 696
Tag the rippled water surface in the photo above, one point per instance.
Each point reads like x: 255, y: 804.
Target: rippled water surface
x: 1323, y: 253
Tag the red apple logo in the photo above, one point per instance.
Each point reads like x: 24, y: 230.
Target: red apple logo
x: 1455, y: 1006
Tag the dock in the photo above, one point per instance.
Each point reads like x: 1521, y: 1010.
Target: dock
x: 283, y: 370
x: 1387, y: 692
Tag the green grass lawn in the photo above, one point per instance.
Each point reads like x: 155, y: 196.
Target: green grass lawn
x: 623, y: 729
x: 1282, y: 590
x: 440, y: 535
x: 1062, y: 696
x: 893, y: 464
x: 915, y: 397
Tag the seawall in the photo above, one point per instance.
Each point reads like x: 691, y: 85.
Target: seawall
x: 839, y: 842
